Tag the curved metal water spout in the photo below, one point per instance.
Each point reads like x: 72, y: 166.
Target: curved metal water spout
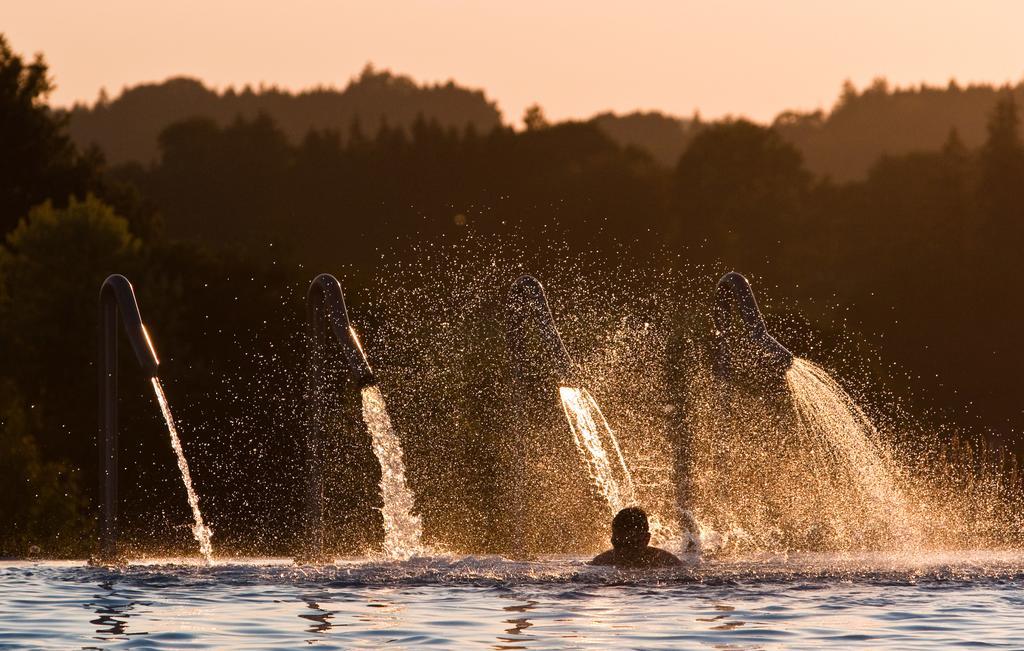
x: 547, y: 357
x: 327, y: 318
x: 116, y: 297
x: 326, y: 314
x: 742, y: 347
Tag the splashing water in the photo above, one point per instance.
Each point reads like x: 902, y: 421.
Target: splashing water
x: 847, y: 448
x: 200, y: 531
x: 591, y: 431
x: 402, y: 528
x: 803, y: 468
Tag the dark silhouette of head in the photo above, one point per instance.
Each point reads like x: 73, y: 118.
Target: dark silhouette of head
x: 630, y: 531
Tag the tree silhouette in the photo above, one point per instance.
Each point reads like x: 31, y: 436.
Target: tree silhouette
x: 533, y: 118
x: 739, y: 188
x: 39, y: 160
x: 127, y: 127
x: 1002, y: 168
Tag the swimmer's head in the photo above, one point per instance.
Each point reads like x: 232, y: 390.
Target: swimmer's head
x: 630, y: 530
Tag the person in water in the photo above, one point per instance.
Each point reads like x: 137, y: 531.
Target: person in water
x: 631, y: 537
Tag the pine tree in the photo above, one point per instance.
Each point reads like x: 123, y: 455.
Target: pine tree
x: 1001, y: 186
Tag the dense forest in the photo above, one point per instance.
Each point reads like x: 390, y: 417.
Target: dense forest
x: 127, y: 127
x: 844, y: 142
x: 220, y: 206
x: 841, y: 143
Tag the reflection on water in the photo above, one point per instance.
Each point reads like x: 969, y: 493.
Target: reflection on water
x: 112, y: 612
x: 807, y: 602
x: 383, y: 610
x: 725, y: 619
x: 320, y: 619
x: 517, y: 632
x: 519, y: 625
x: 726, y: 610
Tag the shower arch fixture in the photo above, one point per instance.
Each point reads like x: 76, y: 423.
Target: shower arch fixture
x: 742, y: 347
x: 116, y: 298
x: 327, y: 318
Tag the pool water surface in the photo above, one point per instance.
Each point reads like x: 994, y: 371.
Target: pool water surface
x: 797, y: 601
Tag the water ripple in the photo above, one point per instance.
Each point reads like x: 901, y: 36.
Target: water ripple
x: 799, y: 601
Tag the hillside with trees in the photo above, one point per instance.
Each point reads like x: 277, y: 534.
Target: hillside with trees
x: 843, y: 142
x: 879, y: 120
x: 662, y: 136
x: 126, y: 127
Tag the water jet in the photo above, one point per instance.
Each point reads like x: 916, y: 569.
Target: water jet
x: 794, y: 461
x: 328, y: 320
x: 118, y: 297
x: 541, y: 363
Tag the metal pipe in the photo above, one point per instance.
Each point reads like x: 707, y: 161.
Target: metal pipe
x: 116, y: 296
x: 326, y: 314
x: 327, y: 318
x: 535, y: 347
x: 744, y: 349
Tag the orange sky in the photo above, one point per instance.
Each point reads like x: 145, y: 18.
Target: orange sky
x: 574, y: 58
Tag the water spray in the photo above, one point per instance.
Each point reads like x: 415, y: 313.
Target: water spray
x: 809, y: 456
x: 328, y: 319
x: 118, y: 297
x: 539, y: 358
